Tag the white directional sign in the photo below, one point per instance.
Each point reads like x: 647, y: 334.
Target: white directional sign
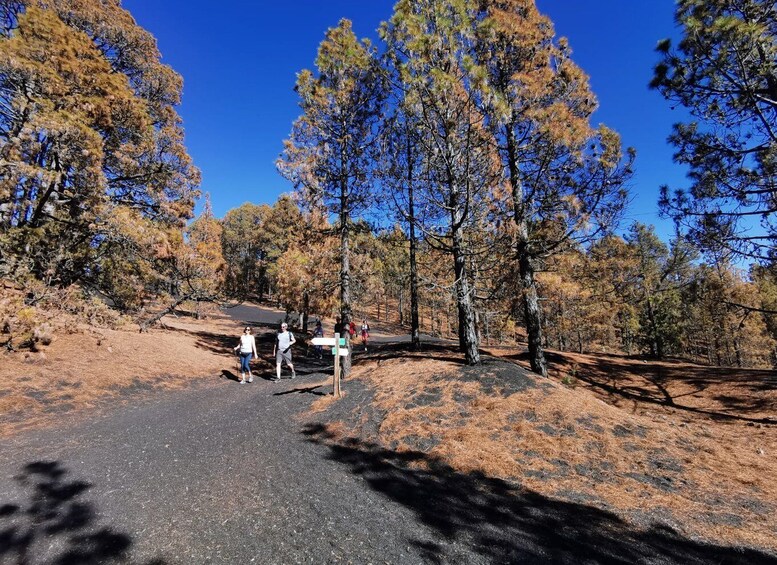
x: 343, y: 352
x: 327, y: 341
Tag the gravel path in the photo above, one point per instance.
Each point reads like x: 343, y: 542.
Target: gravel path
x: 217, y: 473
x: 228, y: 473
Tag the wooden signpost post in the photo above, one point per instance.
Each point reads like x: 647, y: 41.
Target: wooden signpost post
x: 336, y: 375
x: 337, y: 341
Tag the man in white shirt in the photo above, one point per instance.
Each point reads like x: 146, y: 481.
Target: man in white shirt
x: 282, y: 351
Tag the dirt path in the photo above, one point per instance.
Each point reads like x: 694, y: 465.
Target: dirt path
x: 228, y: 473
x: 218, y: 473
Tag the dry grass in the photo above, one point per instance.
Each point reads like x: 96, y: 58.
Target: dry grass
x: 81, y: 370
x: 712, y: 473
x: 692, y: 442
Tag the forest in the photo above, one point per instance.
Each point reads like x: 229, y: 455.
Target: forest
x: 447, y: 178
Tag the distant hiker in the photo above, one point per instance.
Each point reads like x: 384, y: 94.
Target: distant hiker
x: 246, y: 348
x: 352, y: 329
x: 365, y: 332
x: 339, y: 327
x: 282, y: 351
x: 319, y: 332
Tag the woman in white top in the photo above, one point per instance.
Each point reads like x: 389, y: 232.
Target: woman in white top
x: 246, y: 348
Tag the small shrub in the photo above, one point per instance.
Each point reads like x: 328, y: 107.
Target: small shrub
x: 570, y: 379
x: 571, y: 382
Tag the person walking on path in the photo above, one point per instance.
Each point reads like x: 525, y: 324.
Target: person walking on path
x: 282, y: 351
x: 365, y: 333
x: 339, y: 327
x: 246, y: 349
x: 319, y: 332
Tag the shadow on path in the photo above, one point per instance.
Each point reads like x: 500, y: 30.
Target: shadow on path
x: 54, y: 524
x: 507, y: 524
x: 304, y: 390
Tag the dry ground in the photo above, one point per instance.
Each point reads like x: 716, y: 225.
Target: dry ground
x: 83, y: 370
x: 686, y: 446
x: 691, y: 447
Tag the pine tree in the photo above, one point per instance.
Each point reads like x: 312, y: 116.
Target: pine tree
x: 307, y: 270
x: 564, y: 179
x: 432, y: 42
x: 94, y: 171
x: 724, y: 71
x: 401, y: 169
x: 327, y: 155
x: 244, y: 249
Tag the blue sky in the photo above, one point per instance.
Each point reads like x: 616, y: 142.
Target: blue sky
x: 239, y: 61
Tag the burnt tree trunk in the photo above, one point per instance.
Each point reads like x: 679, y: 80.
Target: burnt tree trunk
x: 305, y: 310
x: 531, y: 305
x: 468, y: 338
x: 346, y: 313
x: 415, y: 334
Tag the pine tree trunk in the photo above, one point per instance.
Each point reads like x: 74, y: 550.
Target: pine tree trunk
x: 532, y: 312
x: 346, y: 314
x: 154, y: 319
x: 415, y: 334
x: 531, y: 304
x: 468, y: 339
x: 656, y: 343
x: 305, y: 310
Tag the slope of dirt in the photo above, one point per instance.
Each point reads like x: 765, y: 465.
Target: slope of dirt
x: 84, y: 369
x: 676, y: 464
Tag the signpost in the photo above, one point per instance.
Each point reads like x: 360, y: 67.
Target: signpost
x: 337, y: 341
x: 327, y: 341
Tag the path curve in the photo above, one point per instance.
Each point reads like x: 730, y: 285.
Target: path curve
x: 217, y: 473
x: 229, y: 473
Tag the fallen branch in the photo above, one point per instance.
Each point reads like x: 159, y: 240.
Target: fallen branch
x: 159, y: 315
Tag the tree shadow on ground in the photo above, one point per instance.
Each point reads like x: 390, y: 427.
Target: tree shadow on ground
x: 719, y: 393
x: 225, y: 343
x: 441, y: 351
x: 304, y: 390
x: 54, y: 524
x: 504, y: 523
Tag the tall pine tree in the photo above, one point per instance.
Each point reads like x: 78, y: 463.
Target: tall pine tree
x: 327, y: 155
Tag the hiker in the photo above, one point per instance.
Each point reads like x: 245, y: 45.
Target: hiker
x: 319, y: 332
x: 282, y: 351
x: 339, y: 327
x: 352, y: 329
x: 246, y: 349
x: 365, y: 332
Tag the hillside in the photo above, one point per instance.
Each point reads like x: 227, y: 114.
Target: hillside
x: 89, y: 367
x: 700, y: 462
